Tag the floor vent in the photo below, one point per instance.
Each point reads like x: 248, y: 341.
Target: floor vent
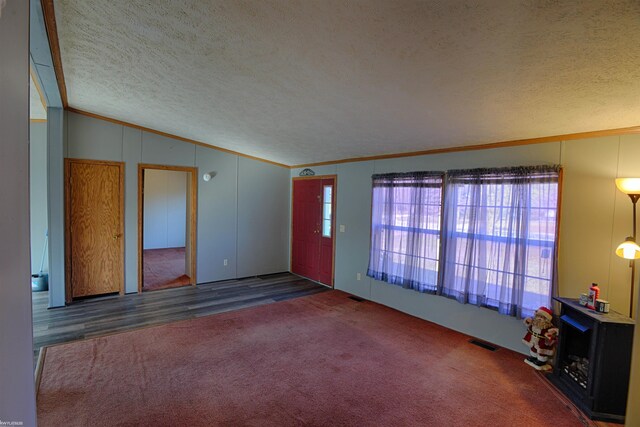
x: 355, y: 298
x: 484, y: 345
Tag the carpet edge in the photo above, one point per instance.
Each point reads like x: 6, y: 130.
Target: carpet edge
x: 582, y: 417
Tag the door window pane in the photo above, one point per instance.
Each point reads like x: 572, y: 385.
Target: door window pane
x: 326, y: 211
x: 326, y: 228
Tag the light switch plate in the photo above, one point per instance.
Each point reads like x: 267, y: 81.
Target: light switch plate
x: 342, y: 228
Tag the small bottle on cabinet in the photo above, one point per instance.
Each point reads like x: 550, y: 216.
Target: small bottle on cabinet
x: 594, y: 294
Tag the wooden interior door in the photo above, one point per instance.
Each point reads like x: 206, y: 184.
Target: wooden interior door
x: 312, y: 240
x: 94, y: 227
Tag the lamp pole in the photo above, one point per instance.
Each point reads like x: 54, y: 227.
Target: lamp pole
x: 632, y: 263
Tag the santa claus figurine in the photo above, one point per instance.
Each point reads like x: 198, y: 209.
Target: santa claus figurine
x: 541, y: 338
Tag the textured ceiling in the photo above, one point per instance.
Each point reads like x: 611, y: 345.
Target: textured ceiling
x: 303, y: 81
x: 36, y: 105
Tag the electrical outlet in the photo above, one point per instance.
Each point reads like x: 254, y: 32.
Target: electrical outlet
x: 225, y: 262
x: 342, y: 228
x: 358, y: 276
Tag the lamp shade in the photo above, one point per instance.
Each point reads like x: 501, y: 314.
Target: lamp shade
x: 628, y: 249
x: 628, y: 185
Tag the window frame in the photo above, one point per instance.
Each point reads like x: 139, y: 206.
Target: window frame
x: 398, y: 180
x: 525, y: 175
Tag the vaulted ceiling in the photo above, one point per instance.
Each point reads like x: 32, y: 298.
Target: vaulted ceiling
x: 300, y: 81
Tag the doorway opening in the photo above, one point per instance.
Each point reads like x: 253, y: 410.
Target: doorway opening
x: 313, y: 228
x: 167, y: 203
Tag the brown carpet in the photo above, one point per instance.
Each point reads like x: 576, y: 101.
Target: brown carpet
x: 318, y: 360
x: 164, y: 268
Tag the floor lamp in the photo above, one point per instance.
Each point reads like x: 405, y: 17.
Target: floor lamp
x: 629, y: 249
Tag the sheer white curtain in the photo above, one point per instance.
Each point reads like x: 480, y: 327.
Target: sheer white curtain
x: 405, y: 229
x: 499, y: 237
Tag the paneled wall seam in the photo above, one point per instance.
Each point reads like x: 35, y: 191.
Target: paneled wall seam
x: 237, y: 210
x: 613, y: 216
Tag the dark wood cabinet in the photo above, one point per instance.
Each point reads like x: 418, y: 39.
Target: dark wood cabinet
x: 593, y: 360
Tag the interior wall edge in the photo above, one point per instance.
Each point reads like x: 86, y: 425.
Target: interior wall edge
x: 56, y: 147
x: 17, y: 390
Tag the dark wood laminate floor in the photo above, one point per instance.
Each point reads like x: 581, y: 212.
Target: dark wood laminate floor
x: 104, y: 315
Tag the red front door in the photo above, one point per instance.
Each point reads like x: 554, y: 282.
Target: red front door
x: 313, y: 229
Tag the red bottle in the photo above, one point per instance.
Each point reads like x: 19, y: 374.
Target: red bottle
x: 594, y: 294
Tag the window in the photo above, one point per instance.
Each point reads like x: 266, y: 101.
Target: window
x: 326, y: 210
x: 498, y: 235
x: 405, y: 229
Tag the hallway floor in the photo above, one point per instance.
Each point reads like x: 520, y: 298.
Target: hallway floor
x: 164, y: 268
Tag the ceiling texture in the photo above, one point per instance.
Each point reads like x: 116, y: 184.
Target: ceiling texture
x: 301, y: 81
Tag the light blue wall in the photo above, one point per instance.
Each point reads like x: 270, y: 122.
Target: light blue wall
x: 263, y: 218
x: 224, y: 232
x: 131, y: 156
x: 595, y: 218
x: 56, y: 149
x: 165, y: 209
x: 218, y: 217
x: 161, y: 150
x: 353, y: 206
x: 353, y: 211
x: 38, y: 194
x: 93, y: 139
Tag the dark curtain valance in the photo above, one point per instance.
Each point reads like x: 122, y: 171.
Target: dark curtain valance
x: 507, y: 175
x: 408, y: 179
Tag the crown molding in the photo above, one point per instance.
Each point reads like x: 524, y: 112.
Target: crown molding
x: 52, y: 34
x: 511, y: 143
